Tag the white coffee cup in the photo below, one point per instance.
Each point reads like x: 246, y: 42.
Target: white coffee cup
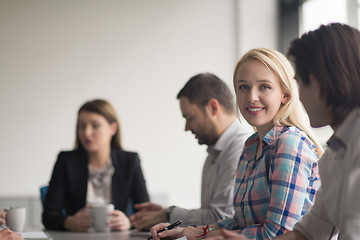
x: 100, y: 214
x: 15, y: 218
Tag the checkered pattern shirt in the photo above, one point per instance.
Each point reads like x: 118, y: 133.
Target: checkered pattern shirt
x: 273, y: 192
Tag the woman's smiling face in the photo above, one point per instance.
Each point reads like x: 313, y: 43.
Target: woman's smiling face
x: 259, y: 94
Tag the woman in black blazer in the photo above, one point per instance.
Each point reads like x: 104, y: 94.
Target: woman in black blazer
x: 98, y: 171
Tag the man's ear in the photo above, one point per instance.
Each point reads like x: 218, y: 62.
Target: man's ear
x: 314, y: 84
x: 213, y: 106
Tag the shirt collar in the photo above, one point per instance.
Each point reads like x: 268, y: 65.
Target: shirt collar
x: 224, y: 139
x: 273, y: 134
x: 340, y: 139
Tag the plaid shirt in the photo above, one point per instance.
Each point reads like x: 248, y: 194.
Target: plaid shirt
x: 273, y: 192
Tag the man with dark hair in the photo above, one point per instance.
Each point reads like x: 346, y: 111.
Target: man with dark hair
x: 327, y: 64
x: 200, y: 88
x: 207, y: 105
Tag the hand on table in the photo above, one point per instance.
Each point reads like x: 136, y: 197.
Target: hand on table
x: 7, y: 234
x: 194, y: 233
x: 172, y: 233
x: 149, y: 214
x: 80, y: 222
x: 119, y: 221
x: 228, y: 235
x: 2, y: 217
x: 190, y: 232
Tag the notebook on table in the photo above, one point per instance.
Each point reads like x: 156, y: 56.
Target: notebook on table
x: 35, y: 235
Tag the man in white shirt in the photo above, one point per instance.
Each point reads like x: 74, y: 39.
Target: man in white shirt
x: 207, y: 105
x: 327, y: 69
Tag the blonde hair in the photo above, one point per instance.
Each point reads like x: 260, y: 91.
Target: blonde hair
x: 291, y: 113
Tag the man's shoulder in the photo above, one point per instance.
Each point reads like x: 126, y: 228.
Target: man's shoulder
x: 234, y: 144
x: 241, y: 133
x: 244, y: 132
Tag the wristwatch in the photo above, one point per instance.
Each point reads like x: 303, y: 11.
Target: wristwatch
x: 169, y: 211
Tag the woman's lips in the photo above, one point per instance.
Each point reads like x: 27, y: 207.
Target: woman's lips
x: 254, y: 110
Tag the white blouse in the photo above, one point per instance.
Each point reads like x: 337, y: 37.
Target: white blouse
x: 99, y: 185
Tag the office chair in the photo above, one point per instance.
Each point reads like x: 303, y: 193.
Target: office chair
x: 43, y: 192
x: 130, y: 210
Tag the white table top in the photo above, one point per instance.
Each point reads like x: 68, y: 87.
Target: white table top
x: 116, y: 235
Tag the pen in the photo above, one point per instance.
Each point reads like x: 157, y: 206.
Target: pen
x: 171, y: 226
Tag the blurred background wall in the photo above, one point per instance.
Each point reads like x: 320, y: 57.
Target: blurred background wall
x: 137, y: 54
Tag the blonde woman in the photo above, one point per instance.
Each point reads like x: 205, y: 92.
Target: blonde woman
x: 277, y: 176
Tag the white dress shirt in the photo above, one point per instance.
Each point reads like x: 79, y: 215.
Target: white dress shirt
x: 218, y: 179
x: 337, y: 203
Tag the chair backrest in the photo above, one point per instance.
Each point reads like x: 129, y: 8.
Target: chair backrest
x: 43, y: 192
x: 130, y: 208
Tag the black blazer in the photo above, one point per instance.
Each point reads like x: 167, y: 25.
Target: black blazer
x: 68, y: 185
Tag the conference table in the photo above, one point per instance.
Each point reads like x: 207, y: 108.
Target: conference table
x: 114, y: 235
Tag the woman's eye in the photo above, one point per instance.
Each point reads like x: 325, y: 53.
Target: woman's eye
x: 243, y: 87
x: 265, y: 87
x: 96, y: 125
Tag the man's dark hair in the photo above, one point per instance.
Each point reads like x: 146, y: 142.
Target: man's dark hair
x: 205, y: 86
x: 332, y: 55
